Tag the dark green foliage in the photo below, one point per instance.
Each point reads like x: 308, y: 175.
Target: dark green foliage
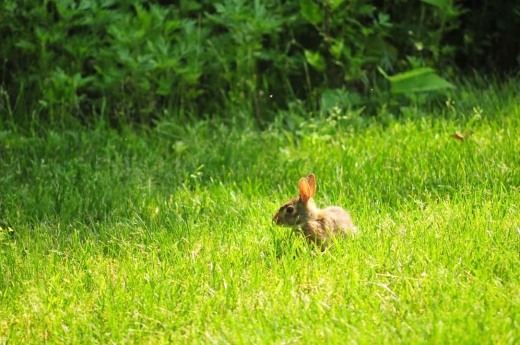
x: 141, y: 60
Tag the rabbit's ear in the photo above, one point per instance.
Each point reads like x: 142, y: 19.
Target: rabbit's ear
x: 311, y: 179
x: 305, y: 189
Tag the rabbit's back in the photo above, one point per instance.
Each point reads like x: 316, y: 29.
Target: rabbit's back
x: 337, y: 219
x: 330, y: 221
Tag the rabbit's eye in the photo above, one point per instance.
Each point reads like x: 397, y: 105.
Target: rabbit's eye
x: 289, y: 209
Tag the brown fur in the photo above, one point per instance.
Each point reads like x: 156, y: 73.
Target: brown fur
x: 317, y: 225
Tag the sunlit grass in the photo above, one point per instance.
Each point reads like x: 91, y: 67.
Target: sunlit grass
x: 164, y: 235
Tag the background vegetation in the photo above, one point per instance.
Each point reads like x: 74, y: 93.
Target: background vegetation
x: 144, y: 60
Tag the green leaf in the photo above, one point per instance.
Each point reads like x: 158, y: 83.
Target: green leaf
x: 26, y: 45
x: 366, y: 10
x: 311, y: 11
x: 336, y: 49
x: 414, y: 73
x: 315, y: 60
x: 417, y: 80
x: 382, y: 71
x: 331, y: 98
x: 334, y: 4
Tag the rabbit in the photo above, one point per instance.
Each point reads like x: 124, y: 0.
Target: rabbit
x: 317, y: 225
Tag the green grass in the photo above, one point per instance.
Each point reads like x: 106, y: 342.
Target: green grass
x: 164, y: 235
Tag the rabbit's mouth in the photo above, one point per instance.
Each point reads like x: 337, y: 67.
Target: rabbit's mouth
x: 284, y: 220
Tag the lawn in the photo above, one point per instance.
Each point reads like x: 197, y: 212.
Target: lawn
x: 164, y: 234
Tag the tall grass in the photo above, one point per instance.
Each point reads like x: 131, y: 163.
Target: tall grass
x: 163, y: 235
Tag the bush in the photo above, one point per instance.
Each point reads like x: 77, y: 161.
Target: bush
x: 234, y: 58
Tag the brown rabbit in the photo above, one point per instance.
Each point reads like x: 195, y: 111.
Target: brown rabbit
x: 318, y: 226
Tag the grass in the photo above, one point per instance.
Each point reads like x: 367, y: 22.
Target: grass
x: 163, y: 235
